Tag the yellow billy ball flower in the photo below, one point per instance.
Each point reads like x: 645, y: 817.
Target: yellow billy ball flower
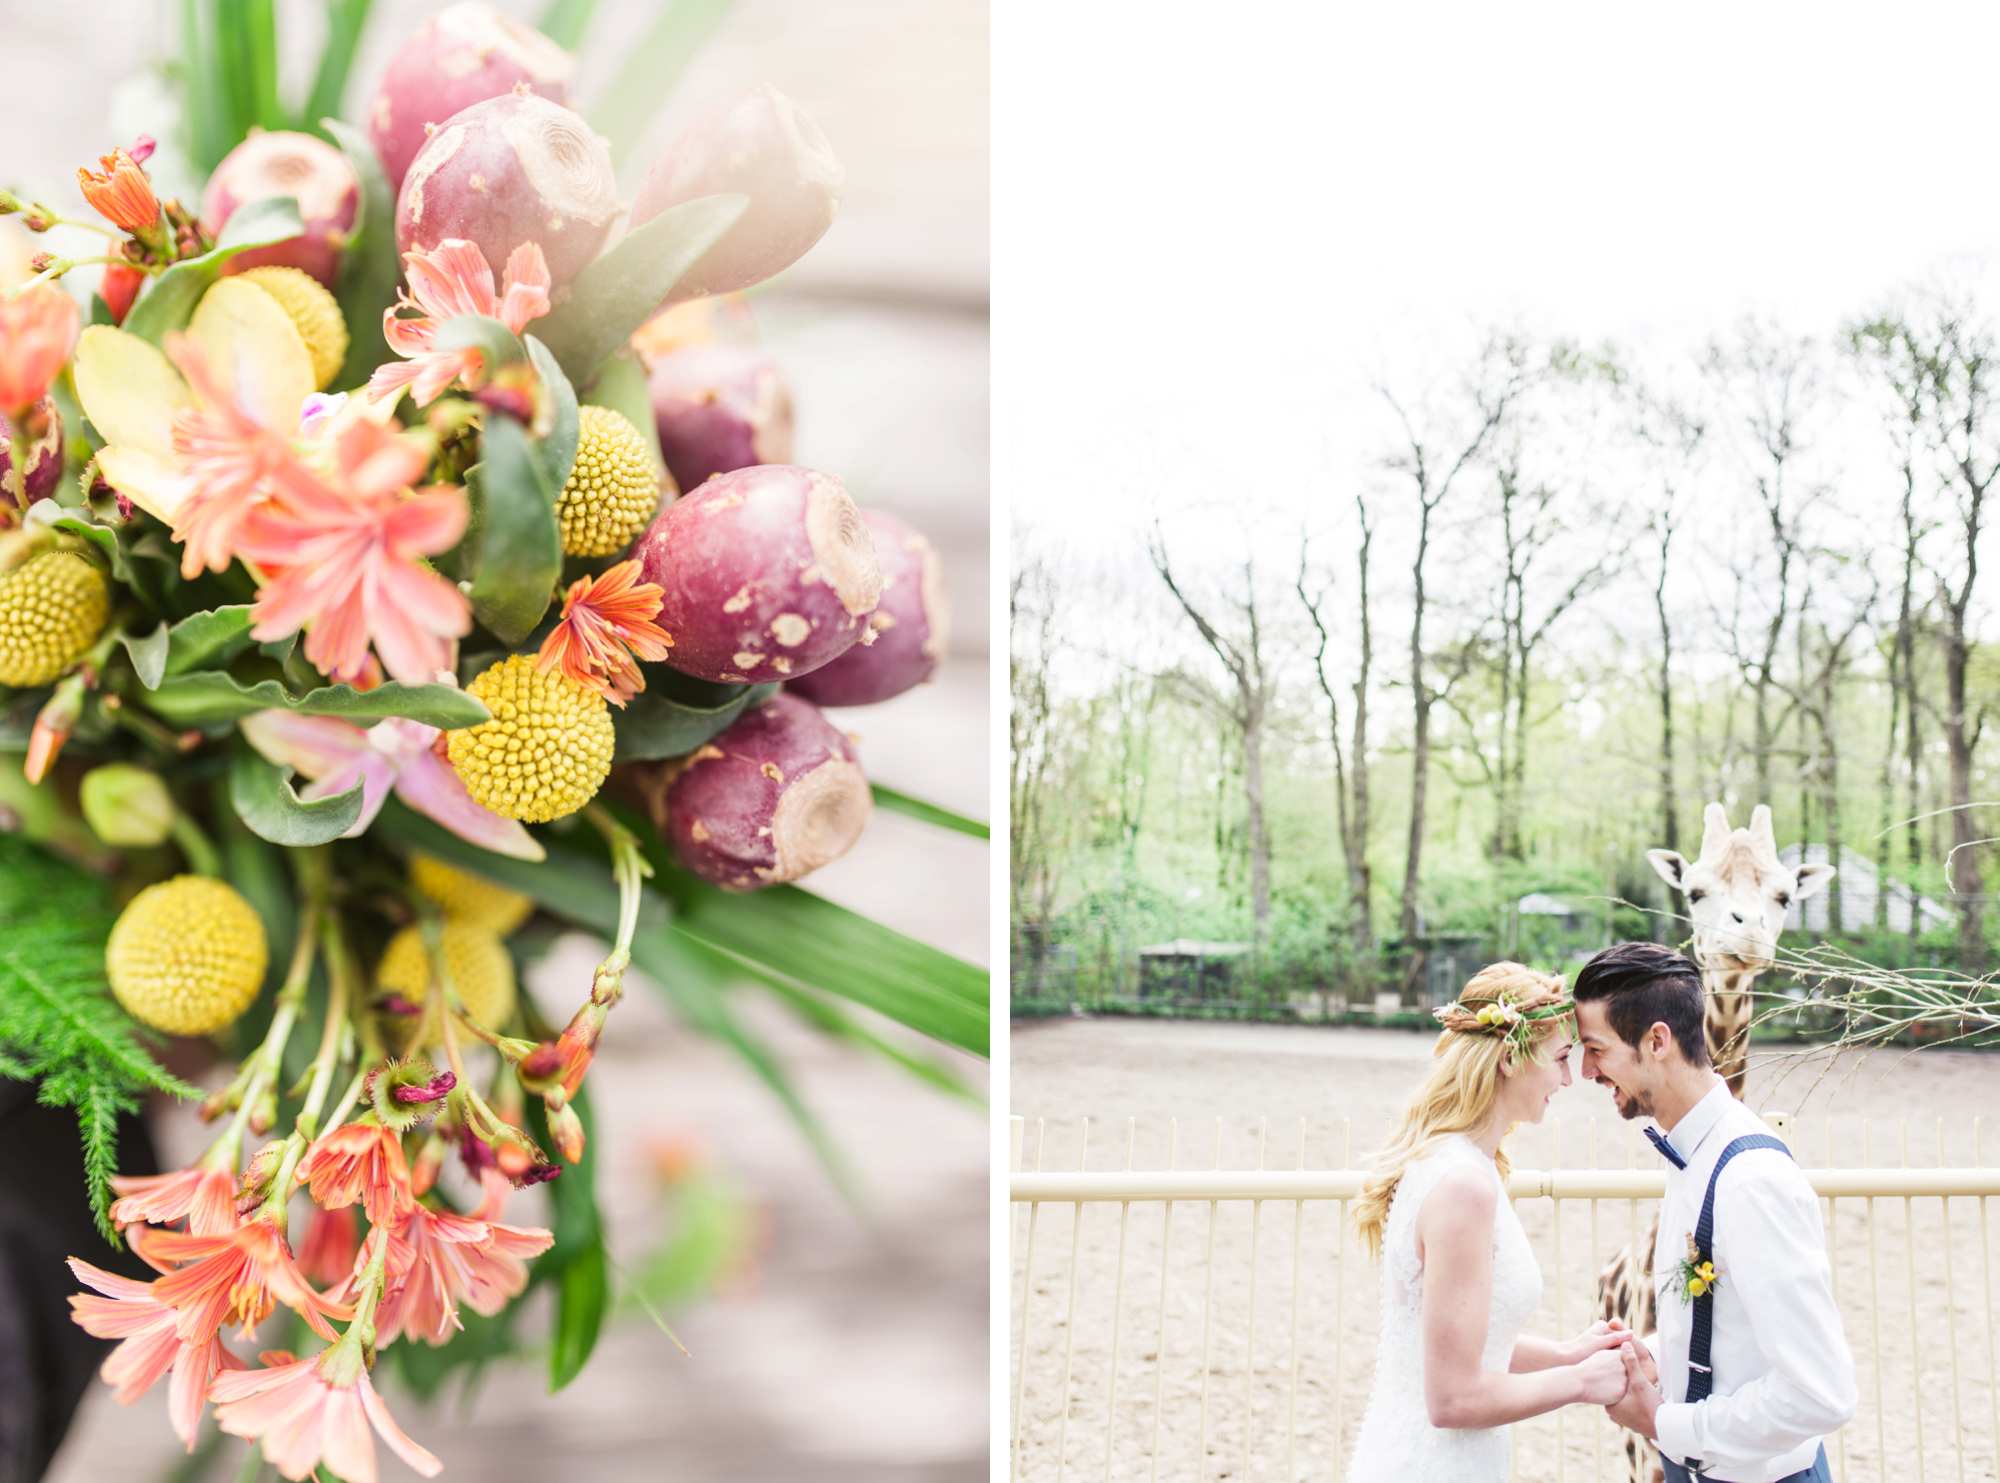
x: 480, y: 968
x: 313, y: 313
x: 465, y: 897
x: 545, y: 752
x: 51, y: 611
x: 613, y: 489
x: 187, y: 956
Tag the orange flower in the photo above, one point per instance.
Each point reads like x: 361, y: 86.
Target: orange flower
x: 120, y: 192
x: 205, y: 1196
x: 150, y: 1346
x: 309, y: 1411
x: 38, y: 328
x: 360, y: 1161
x: 606, y: 620
x: 237, y: 1278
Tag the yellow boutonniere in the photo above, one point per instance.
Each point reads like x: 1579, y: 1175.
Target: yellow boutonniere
x: 1697, y: 1274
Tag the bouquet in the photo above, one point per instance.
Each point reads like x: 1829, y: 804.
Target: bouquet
x: 398, y: 559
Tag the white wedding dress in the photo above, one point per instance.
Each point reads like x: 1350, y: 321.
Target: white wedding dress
x: 1397, y: 1439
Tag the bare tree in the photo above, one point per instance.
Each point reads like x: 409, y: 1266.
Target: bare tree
x: 1245, y: 704
x: 1769, y: 379
x: 1433, y: 461
x: 1966, y: 372
x: 1351, y: 791
x: 1034, y: 863
x: 1674, y: 433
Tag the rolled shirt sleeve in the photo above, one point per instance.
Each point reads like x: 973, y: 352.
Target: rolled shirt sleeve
x: 1770, y: 1247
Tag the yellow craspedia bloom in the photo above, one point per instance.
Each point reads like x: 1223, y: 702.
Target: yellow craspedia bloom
x: 613, y: 489
x: 1696, y: 1287
x: 187, y: 956
x: 51, y: 611
x: 465, y: 897
x: 545, y: 752
x: 480, y: 968
x: 313, y: 312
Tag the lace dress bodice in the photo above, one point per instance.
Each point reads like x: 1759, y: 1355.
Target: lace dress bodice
x: 1397, y: 1440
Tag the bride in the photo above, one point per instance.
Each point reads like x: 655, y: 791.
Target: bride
x: 1458, y: 1277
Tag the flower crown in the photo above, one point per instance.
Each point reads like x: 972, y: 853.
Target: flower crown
x: 1504, y: 1016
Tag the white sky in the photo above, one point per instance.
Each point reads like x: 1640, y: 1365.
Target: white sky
x: 1216, y: 226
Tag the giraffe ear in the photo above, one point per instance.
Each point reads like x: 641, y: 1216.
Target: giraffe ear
x: 1812, y: 879
x: 1670, y: 865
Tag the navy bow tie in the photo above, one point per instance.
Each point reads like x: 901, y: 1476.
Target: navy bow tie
x: 1666, y: 1149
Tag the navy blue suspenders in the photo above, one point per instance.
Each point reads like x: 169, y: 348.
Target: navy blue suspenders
x: 1700, y: 1378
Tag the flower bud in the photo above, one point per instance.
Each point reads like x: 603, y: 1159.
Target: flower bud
x: 127, y: 807
x: 565, y: 1128
x: 44, y: 428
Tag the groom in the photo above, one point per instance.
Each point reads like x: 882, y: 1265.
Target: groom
x: 1751, y: 1370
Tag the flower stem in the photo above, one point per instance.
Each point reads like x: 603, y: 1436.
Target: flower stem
x: 340, y: 975
x: 267, y: 1061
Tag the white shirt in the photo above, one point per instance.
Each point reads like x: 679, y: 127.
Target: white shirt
x: 1783, y: 1375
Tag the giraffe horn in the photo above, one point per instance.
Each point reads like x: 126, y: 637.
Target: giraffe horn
x: 1714, y: 833
x: 1761, y: 831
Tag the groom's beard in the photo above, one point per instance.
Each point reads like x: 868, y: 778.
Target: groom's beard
x: 1630, y: 1106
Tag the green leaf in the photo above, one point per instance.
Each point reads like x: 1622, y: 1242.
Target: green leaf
x: 149, y: 655
x: 619, y: 292
x: 211, y: 131
x: 345, y: 21
x: 810, y: 940
x: 211, y: 696
x: 520, y: 548
x: 103, y: 538
x: 370, y: 270
x: 499, y: 345
x: 930, y: 813
x: 265, y: 800
x: 657, y: 725
x: 583, y: 1296
x: 621, y: 386
x: 647, y: 75
x: 170, y: 302
x: 213, y: 636
x: 558, y: 448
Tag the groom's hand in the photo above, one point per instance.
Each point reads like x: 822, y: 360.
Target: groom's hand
x: 1604, y: 1334
x: 1640, y: 1351
x: 1635, y: 1410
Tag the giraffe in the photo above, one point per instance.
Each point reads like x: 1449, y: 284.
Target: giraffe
x: 1737, y: 893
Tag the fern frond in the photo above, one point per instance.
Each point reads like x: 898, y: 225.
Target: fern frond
x: 59, y: 1025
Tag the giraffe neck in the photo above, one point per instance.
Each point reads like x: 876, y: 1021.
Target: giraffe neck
x: 1726, y: 1019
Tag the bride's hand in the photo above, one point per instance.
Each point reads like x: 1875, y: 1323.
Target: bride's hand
x: 1604, y: 1334
x: 1603, y: 1377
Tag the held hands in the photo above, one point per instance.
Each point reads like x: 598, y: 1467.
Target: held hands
x: 1604, y: 1334
x: 1604, y: 1377
x: 1635, y: 1409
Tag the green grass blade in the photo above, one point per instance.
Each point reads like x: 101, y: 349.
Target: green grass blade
x: 622, y: 112
x: 346, y: 20
x: 930, y: 813
x: 565, y: 21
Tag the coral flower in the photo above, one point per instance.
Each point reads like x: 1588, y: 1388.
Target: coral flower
x: 206, y: 1197
x: 348, y: 563
x: 314, y: 1411
x: 438, y: 1260
x: 606, y: 620
x: 151, y: 1345
x: 332, y: 1238
x: 229, y: 460
x: 396, y: 754
x: 120, y: 192
x: 236, y: 1279
x: 360, y: 1161
x: 37, y: 328
x: 454, y: 278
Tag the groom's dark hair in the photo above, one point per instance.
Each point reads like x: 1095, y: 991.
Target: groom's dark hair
x: 1643, y: 984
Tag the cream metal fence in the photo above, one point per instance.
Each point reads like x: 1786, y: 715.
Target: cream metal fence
x: 1144, y: 1344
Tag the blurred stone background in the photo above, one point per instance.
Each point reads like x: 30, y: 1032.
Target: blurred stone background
x: 846, y: 1344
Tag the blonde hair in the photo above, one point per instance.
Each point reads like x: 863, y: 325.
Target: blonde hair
x: 1459, y: 1093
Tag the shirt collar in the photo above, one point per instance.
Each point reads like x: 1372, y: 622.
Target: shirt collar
x: 1700, y: 1120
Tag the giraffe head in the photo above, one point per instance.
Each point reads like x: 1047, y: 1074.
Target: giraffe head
x: 1737, y: 889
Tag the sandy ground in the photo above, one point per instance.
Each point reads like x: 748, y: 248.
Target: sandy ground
x: 1227, y: 1087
